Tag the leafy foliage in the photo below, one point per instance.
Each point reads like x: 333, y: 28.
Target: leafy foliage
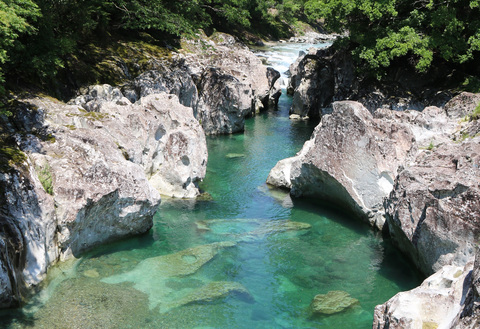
x: 38, y: 38
x: 16, y: 17
x: 417, y: 32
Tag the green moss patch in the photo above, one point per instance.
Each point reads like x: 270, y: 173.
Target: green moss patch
x: 11, y: 156
x: 44, y: 174
x: 117, y: 61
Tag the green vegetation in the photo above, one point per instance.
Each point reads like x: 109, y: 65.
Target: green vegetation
x: 430, y: 146
x: 418, y: 34
x: 10, y: 156
x: 476, y: 113
x: 42, y: 41
x: 45, y: 176
x: 16, y: 18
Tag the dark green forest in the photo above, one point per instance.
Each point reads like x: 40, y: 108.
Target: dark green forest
x: 38, y: 38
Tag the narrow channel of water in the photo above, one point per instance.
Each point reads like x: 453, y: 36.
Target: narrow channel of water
x: 249, y: 266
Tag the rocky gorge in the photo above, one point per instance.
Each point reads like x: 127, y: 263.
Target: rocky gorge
x: 410, y: 170
x: 90, y: 171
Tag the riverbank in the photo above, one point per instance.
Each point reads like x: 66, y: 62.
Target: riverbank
x: 210, y: 90
x: 281, y: 267
x: 406, y: 166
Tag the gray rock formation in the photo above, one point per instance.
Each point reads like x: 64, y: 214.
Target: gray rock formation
x: 433, y: 216
x: 469, y: 317
x: 433, y: 212
x: 224, y: 103
x: 232, y: 83
x: 221, y: 79
x: 323, y: 76
x: 91, y: 177
x: 425, y: 166
x: 351, y: 160
x: 317, y: 79
x: 436, y: 303
x: 462, y: 105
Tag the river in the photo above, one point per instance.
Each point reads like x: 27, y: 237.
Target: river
x: 264, y: 270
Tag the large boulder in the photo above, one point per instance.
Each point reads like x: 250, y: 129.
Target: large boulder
x: 156, y: 133
x: 217, y: 76
x: 232, y: 82
x: 318, y: 78
x: 433, y: 215
x: 224, y: 103
x: 90, y: 177
x: 433, y: 212
x: 351, y: 160
x: 326, y: 75
x: 436, y: 303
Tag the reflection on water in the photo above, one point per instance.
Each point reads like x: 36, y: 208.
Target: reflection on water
x: 251, y: 258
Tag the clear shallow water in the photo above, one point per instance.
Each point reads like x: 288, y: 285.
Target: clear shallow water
x: 269, y: 274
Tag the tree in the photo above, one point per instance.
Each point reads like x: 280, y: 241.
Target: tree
x: 418, y: 32
x: 16, y: 17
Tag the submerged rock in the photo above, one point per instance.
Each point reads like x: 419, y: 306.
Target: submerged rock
x: 273, y: 227
x: 88, y: 303
x: 152, y: 275
x: 234, y: 155
x: 333, y: 302
x: 214, y: 291
x: 182, y: 263
x: 262, y: 228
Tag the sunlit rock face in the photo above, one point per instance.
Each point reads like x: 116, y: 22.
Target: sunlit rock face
x: 351, y: 160
x: 218, y: 77
x: 92, y: 176
x: 433, y: 215
x: 434, y: 304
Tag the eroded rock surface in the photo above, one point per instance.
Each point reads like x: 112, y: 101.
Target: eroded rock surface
x: 434, y: 304
x: 433, y: 215
x: 420, y: 171
x: 332, y: 302
x: 351, y: 160
x: 91, y: 177
x: 218, y: 77
x: 433, y: 212
x: 152, y: 275
x: 323, y: 76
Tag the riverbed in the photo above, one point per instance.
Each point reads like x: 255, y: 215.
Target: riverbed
x: 249, y: 257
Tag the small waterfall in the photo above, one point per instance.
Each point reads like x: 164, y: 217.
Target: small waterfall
x: 281, y: 55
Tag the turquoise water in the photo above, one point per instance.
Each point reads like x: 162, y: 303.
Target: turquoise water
x: 250, y: 258
x: 276, y: 271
